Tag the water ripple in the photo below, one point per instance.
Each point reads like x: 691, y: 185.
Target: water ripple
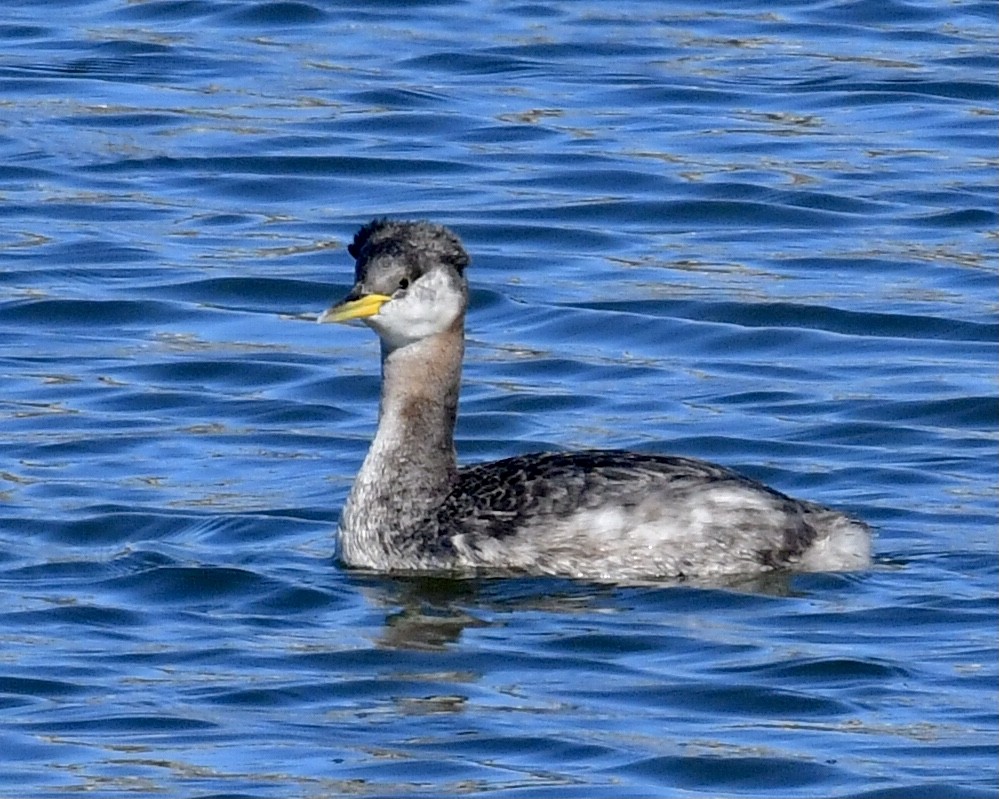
x: 761, y: 237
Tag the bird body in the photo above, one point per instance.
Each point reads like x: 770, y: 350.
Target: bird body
x: 600, y: 514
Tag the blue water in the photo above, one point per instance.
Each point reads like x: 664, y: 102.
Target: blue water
x: 760, y: 235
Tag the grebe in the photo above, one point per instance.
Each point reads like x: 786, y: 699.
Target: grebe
x: 598, y: 514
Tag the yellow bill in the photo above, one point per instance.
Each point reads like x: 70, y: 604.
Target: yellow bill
x: 368, y: 305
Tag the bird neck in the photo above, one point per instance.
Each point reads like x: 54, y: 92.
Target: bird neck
x: 419, y: 402
x: 411, y: 464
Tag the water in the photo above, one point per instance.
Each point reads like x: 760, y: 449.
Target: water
x: 763, y: 237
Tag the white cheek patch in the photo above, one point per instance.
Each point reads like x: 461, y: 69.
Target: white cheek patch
x: 429, y: 307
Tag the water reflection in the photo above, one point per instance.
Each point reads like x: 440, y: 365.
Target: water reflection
x: 431, y: 612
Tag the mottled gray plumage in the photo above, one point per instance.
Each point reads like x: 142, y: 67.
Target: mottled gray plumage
x: 602, y: 514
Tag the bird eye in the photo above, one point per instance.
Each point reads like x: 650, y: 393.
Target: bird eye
x: 404, y: 284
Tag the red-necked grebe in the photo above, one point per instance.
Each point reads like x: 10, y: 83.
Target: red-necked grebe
x: 600, y: 514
